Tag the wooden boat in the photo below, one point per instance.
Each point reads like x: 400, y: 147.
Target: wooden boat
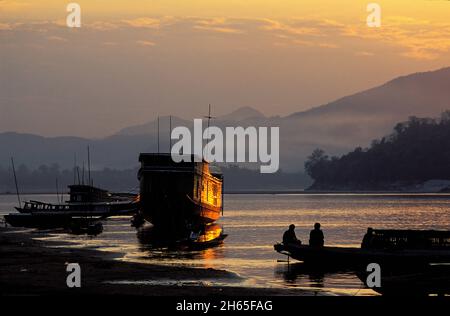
x: 85, y: 201
x: 104, y: 209
x: 388, y: 247
x: 184, y: 194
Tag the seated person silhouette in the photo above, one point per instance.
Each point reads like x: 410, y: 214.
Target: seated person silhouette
x: 367, y: 241
x: 316, y: 238
x: 289, y: 237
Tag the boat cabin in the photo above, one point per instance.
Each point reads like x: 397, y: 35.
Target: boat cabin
x: 410, y: 239
x: 80, y: 193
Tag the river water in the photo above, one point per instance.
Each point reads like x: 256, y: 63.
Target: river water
x: 254, y: 222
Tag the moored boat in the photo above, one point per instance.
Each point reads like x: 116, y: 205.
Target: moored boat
x: 85, y: 201
x: 412, y: 247
x: 178, y: 194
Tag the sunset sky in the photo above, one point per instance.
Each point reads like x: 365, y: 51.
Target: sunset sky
x: 133, y: 60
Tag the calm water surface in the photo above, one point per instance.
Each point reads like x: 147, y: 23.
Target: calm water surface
x: 255, y: 222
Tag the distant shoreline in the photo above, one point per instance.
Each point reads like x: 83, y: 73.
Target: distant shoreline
x: 283, y: 192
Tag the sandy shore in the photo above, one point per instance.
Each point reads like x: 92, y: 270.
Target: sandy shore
x: 30, y: 267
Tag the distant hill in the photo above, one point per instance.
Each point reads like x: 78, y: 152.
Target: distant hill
x: 337, y: 127
x: 416, y: 152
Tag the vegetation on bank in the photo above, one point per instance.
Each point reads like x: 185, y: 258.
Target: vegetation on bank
x: 418, y: 150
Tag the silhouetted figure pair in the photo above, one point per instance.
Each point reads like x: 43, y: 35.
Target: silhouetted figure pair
x: 289, y: 236
x: 368, y: 238
x: 316, y: 238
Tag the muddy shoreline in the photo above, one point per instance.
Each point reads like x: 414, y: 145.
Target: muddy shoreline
x: 34, y: 267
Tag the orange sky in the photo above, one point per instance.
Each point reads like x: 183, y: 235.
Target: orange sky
x: 133, y: 60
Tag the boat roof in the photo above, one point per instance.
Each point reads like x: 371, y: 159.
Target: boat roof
x: 85, y: 188
x: 412, y: 233
x: 166, y: 158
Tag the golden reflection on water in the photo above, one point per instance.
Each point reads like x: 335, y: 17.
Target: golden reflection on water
x: 255, y: 222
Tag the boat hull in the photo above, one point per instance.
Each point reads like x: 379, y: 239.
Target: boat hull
x: 105, y: 209
x: 42, y: 220
x: 178, y: 194
x: 350, y: 257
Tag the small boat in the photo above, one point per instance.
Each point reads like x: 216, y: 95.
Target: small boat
x: 179, y: 194
x: 390, y: 247
x: 209, y: 236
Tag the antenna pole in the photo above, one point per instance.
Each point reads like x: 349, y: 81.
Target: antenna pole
x: 78, y: 174
x: 74, y: 168
x: 170, y: 133
x: 15, y: 181
x: 209, y: 117
x: 83, y: 175
x: 158, y: 134
x: 89, y: 165
x: 57, y: 193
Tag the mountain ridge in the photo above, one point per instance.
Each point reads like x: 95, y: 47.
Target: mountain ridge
x: 338, y: 126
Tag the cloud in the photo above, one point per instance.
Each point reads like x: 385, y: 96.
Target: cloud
x: 5, y: 27
x: 57, y: 39
x: 364, y: 54
x: 101, y: 26
x: 12, y: 6
x: 143, y: 22
x: 412, y: 38
x: 293, y: 29
x: 146, y: 43
x: 110, y: 43
x: 418, y: 39
x: 219, y: 25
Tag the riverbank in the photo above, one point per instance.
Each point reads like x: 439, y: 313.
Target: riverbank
x: 34, y: 267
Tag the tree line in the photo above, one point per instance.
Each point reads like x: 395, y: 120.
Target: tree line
x: 43, y: 179
x: 416, y: 151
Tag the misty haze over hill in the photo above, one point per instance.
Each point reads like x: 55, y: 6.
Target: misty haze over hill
x: 336, y: 127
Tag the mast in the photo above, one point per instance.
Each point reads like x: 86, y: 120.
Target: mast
x: 78, y: 175
x: 89, y: 166
x: 170, y: 133
x: 158, y: 134
x: 201, y: 174
x: 57, y: 191
x: 15, y: 181
x: 82, y: 178
x: 209, y: 117
x: 74, y: 168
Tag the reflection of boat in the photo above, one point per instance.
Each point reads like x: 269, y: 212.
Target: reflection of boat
x: 183, y: 194
x: 388, y: 247
x: 429, y: 279
x: 208, y: 236
x: 153, y: 237
x: 86, y: 227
